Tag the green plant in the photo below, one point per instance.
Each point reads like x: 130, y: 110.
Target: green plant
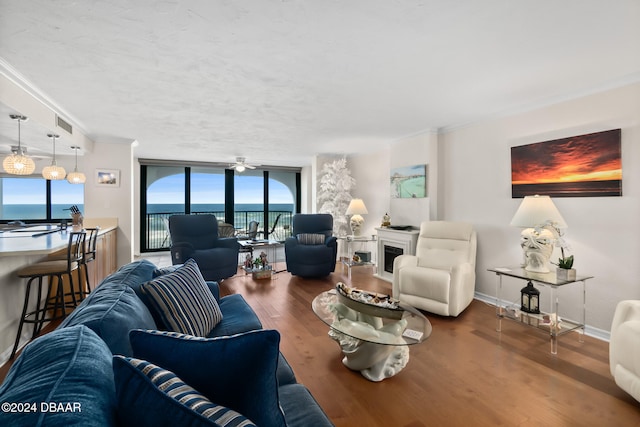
x: 565, y: 262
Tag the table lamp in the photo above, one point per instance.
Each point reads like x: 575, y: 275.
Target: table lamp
x: 356, y: 209
x: 536, y: 240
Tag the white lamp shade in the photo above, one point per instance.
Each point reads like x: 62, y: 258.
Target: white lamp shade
x: 53, y: 172
x: 357, y: 207
x: 536, y: 211
x: 76, y: 177
x: 18, y: 164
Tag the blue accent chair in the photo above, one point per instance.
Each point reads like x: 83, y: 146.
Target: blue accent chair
x: 196, y: 236
x: 316, y: 259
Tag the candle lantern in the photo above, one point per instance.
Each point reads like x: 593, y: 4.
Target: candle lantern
x: 530, y: 298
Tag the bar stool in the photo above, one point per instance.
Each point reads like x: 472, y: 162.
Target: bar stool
x: 53, y: 303
x: 89, y: 255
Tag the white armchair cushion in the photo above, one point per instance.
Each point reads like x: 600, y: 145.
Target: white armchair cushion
x: 624, y: 347
x: 442, y: 259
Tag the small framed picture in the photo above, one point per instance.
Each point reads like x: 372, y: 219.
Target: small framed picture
x: 108, y: 177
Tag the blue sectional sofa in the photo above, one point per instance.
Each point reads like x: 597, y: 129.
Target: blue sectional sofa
x: 110, y: 364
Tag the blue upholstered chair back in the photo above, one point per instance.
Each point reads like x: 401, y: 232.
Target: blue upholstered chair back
x: 196, y: 236
x: 313, y: 223
x: 311, y: 260
x: 201, y: 231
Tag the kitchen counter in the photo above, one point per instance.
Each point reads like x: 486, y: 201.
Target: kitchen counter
x: 45, y: 239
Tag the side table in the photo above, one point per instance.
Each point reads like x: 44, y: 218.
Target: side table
x: 549, y: 280
x: 355, y: 243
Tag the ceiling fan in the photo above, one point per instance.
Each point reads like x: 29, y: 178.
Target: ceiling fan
x: 241, y: 165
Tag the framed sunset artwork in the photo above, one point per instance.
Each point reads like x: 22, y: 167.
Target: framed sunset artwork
x: 579, y: 166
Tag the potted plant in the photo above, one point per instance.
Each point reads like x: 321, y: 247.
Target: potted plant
x: 262, y: 268
x: 565, y: 270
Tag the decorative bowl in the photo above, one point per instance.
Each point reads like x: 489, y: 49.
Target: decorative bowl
x: 370, y: 303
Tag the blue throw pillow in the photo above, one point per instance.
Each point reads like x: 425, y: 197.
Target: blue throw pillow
x: 183, y: 301
x: 63, y: 378
x: 152, y: 396
x: 237, y: 371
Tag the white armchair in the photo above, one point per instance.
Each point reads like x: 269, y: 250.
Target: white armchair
x: 624, y: 347
x: 441, y: 277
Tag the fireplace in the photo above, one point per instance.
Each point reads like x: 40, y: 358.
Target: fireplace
x: 391, y: 244
x: 390, y: 253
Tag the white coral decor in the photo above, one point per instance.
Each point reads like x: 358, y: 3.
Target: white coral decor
x: 334, y: 196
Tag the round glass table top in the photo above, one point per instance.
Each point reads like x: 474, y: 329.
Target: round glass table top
x: 412, y: 328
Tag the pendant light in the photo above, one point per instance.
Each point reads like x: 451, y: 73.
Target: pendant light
x: 18, y: 163
x: 76, y: 177
x: 53, y: 172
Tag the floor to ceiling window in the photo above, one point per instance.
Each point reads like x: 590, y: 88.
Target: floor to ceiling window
x: 34, y: 199
x: 248, y: 197
x: 269, y: 197
x: 207, y: 191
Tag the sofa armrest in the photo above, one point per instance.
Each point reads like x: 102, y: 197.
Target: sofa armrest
x: 399, y: 263
x: 290, y: 242
x: 181, y: 252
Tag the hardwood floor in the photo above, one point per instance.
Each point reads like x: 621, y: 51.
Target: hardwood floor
x: 464, y: 374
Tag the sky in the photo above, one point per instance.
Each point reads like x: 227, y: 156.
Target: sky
x: 209, y: 188
x: 32, y: 191
x: 592, y: 157
x: 206, y: 188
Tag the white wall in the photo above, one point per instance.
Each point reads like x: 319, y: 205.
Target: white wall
x: 604, y: 232
x: 112, y: 202
x: 371, y: 172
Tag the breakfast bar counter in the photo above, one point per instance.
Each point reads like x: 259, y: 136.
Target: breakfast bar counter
x: 45, y: 239
x: 28, y: 244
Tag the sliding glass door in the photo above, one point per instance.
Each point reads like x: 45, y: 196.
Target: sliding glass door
x: 267, y: 197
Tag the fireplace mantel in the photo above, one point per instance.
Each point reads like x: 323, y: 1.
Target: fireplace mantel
x: 404, y: 240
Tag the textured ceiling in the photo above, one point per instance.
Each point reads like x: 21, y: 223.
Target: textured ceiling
x: 280, y: 81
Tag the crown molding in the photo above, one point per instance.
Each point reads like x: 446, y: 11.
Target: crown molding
x: 524, y: 108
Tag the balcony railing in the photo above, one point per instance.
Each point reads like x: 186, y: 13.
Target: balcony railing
x: 157, y: 226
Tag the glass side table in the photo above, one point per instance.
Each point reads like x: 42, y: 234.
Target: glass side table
x: 353, y: 245
x: 544, y: 321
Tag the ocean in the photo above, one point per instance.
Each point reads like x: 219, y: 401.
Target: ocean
x: 33, y: 211
x: 569, y: 189
x: 217, y: 207
x: 37, y: 211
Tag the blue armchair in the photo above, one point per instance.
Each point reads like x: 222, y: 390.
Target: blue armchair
x: 196, y: 236
x: 312, y: 250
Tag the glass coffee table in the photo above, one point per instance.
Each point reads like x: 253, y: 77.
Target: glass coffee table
x: 375, y: 345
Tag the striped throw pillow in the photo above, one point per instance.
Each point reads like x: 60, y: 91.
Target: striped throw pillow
x: 183, y: 301
x: 141, y: 385
x: 311, y: 238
